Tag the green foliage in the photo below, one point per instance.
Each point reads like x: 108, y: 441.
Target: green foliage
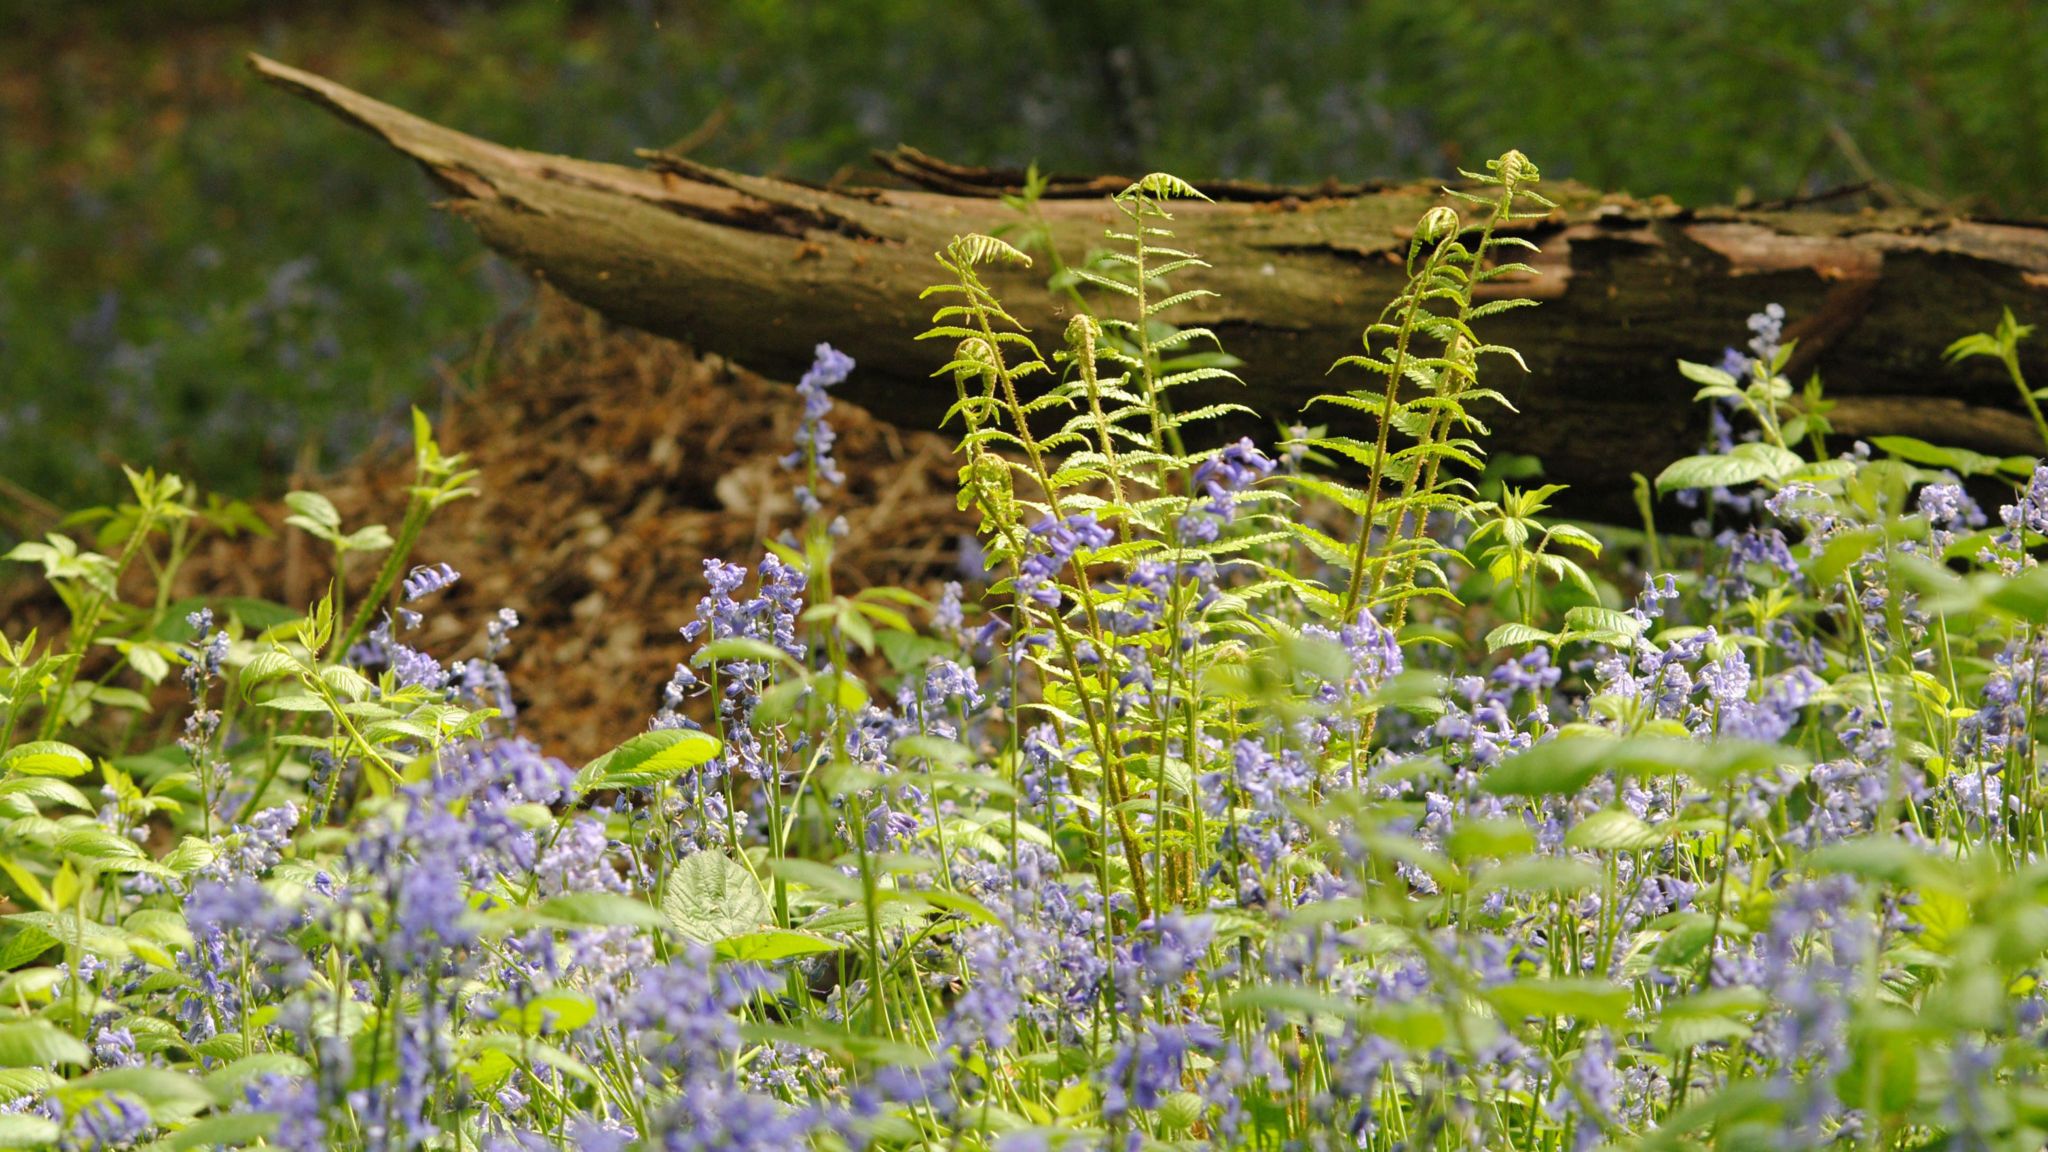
x: 1225, y: 829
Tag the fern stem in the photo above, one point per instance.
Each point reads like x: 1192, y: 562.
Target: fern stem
x: 1096, y: 724
x: 1503, y: 210
x: 1397, y: 366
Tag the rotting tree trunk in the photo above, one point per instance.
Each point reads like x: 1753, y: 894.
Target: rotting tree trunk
x: 759, y: 270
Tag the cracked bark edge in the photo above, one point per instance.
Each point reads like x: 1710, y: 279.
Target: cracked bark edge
x: 760, y: 270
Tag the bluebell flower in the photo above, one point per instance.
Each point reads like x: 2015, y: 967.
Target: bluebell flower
x: 889, y: 826
x: 115, y: 1048
x: 947, y: 617
x: 1171, y: 947
x: 1056, y: 542
x: 428, y: 917
x: 1768, y: 327
x: 1588, y: 1101
x: 295, y: 1102
x: 115, y: 1120
x: 415, y: 669
x: 814, y: 434
x: 947, y: 684
x: 427, y: 579
x: 579, y: 859
x: 988, y: 1011
x: 690, y: 1002
x: 1221, y: 477
x: 1150, y: 1064
x: 239, y: 908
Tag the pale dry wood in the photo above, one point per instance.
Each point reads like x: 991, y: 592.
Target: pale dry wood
x: 761, y: 269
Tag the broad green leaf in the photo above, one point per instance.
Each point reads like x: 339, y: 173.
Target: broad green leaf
x: 649, y: 758
x: 555, y: 1010
x: 1962, y: 460
x: 710, y: 897
x: 1512, y: 634
x: 22, y: 1081
x: 1747, y: 464
x: 1540, y: 874
x: 168, y: 1095
x: 39, y: 1044
x: 2024, y: 596
x: 20, y: 1130
x: 45, y: 758
x: 1556, y: 767
x: 601, y: 909
x: 774, y: 944
x: 1592, y: 1000
x: 1613, y: 830
x: 227, y: 1082
x: 223, y: 1130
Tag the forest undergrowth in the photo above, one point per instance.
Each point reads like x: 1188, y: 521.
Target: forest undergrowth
x: 1313, y: 793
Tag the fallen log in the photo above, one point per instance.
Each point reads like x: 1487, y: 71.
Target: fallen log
x: 760, y: 269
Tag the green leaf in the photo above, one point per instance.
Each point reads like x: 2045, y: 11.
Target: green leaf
x: 1747, y: 464
x: 553, y: 1011
x: 710, y: 897
x: 1512, y: 634
x: 774, y: 944
x: 649, y: 758
x: 1556, y: 767
x: 18, y: 1130
x: 1613, y: 830
x: 313, y: 514
x: 1585, y: 999
x: 1962, y: 460
x: 223, y: 1130
x: 1587, y: 618
x: 1888, y: 861
x: 741, y: 648
x: 1540, y: 874
x: 16, y: 1082
x: 604, y: 909
x: 937, y: 749
x: 98, y: 844
x: 2024, y: 596
x: 167, y: 1094
x: 1705, y: 374
x: 39, y: 1044
x: 45, y: 758
x: 227, y: 1081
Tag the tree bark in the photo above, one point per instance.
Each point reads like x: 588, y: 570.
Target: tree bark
x: 760, y: 270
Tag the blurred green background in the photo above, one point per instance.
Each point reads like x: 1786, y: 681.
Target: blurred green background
x: 199, y: 273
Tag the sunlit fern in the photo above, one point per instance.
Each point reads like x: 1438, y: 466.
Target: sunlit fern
x: 1426, y: 356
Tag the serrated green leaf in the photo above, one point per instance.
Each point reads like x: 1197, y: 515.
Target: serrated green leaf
x: 39, y: 1044
x: 710, y: 897
x: 649, y: 758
